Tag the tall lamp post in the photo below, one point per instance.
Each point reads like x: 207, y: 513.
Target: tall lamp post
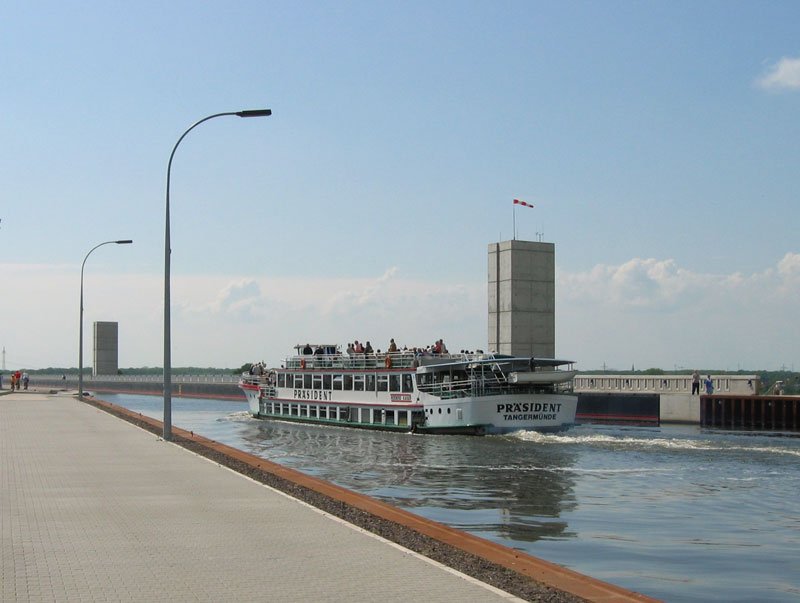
x: 80, y: 335
x: 167, y: 250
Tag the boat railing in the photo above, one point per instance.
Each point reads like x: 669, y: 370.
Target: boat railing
x: 481, y: 387
x: 457, y: 388
x: 352, y: 361
x: 265, y: 382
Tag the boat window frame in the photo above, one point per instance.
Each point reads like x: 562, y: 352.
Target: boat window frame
x: 382, y: 383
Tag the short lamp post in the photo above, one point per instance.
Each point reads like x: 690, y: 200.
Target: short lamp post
x: 167, y: 251
x: 80, y: 331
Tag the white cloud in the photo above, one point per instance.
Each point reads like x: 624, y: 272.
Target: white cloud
x: 785, y: 74
x: 789, y: 267
x: 637, y: 284
x: 649, y: 312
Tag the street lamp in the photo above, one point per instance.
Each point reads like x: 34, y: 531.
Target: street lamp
x: 167, y: 250
x: 80, y: 335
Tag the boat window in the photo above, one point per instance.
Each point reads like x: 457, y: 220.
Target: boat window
x: 337, y: 382
x: 370, y: 383
x: 358, y: 383
x: 281, y: 380
x: 298, y: 381
x: 307, y: 380
x: 408, y: 382
x: 317, y: 381
x: 383, y: 383
x: 326, y: 381
x: 348, y: 382
x: 394, y: 382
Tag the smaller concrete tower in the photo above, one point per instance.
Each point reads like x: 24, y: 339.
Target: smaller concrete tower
x: 106, y: 348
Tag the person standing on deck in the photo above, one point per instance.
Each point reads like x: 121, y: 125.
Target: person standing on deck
x: 696, y: 382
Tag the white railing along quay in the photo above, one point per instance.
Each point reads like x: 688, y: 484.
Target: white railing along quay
x: 212, y: 378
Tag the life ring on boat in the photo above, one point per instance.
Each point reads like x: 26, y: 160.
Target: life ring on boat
x: 303, y: 363
x: 387, y: 361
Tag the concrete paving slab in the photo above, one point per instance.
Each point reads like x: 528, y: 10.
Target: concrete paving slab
x: 92, y: 508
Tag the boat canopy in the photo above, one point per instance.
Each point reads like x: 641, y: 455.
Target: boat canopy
x: 326, y: 348
x: 435, y: 364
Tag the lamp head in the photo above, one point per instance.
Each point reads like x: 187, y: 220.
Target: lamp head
x: 255, y: 113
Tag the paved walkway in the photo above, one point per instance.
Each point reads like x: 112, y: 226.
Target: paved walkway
x: 92, y: 508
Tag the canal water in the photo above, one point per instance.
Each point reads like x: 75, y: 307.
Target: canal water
x: 677, y: 513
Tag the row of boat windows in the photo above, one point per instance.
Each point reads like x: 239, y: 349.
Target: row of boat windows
x: 372, y: 416
x: 392, y: 382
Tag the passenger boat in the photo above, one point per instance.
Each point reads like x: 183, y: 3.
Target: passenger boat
x: 464, y: 393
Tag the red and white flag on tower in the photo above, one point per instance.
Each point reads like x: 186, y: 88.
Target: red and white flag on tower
x: 518, y: 202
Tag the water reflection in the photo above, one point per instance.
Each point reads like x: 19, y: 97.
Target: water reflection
x: 502, y: 487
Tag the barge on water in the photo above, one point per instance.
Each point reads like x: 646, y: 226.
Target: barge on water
x: 463, y: 393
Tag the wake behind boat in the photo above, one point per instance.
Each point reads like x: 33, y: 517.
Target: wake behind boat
x: 462, y: 393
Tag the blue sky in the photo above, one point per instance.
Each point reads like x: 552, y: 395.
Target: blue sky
x: 657, y: 140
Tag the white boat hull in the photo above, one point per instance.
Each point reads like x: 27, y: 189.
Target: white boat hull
x: 484, y: 415
x: 502, y: 414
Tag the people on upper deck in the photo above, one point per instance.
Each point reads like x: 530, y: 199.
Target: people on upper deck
x: 358, y: 347
x: 368, y: 348
x: 392, y: 346
x: 319, y: 351
x: 350, y: 349
x: 257, y: 368
x: 307, y: 350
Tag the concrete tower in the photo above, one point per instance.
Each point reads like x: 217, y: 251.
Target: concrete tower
x: 522, y: 298
x: 106, y: 348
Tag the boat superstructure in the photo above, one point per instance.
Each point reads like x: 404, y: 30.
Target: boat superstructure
x: 402, y: 391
